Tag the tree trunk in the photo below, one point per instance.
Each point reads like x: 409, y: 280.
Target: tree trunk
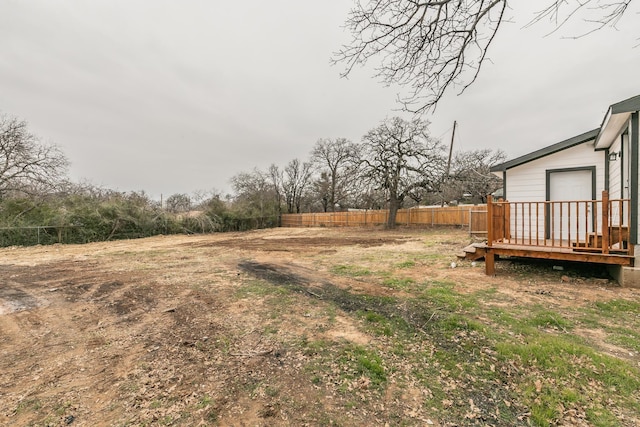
x: 393, y: 211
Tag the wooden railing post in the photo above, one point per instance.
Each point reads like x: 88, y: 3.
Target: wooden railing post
x: 489, y: 256
x: 489, y: 221
x: 506, y: 223
x: 605, y: 222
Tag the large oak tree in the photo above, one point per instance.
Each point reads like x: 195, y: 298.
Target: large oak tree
x: 400, y: 156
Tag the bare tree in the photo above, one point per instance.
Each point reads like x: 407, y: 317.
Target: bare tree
x: 297, y: 177
x: 431, y: 45
x: 26, y: 164
x: 276, y: 178
x: 253, y: 193
x: 178, y: 202
x: 337, y: 160
x: 400, y: 156
x: 470, y: 174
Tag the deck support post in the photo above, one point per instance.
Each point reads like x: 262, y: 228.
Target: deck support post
x: 489, y: 263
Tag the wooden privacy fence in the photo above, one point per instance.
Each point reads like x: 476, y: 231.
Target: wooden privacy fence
x: 474, y: 217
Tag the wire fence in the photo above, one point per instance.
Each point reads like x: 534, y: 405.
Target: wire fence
x: 38, y: 235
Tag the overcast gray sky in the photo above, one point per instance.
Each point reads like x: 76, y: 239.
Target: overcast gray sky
x: 177, y: 96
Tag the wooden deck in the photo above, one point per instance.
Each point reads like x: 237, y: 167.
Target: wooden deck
x: 546, y: 252
x: 516, y: 230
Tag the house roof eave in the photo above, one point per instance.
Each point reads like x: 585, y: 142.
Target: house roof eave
x: 627, y: 106
x: 546, y: 151
x: 615, y: 121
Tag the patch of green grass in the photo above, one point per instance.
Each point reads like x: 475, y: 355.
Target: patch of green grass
x: 548, y: 319
x: 271, y: 391
x: 625, y: 337
x: 316, y: 347
x: 558, y: 365
x: 350, y: 270
x: 260, y: 288
x: 205, y: 401
x: 433, y: 257
x: 406, y: 264
x: 442, y: 295
x: 601, y: 417
x: 619, y: 318
x: 381, y: 325
x: 617, y: 307
x: 398, y: 283
x: 358, y: 361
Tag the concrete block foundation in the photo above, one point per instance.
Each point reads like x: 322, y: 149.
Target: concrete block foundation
x: 627, y: 277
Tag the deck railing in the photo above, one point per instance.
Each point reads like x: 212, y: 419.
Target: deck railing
x: 600, y: 226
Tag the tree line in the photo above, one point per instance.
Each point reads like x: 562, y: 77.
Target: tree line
x: 396, y: 164
x: 39, y: 204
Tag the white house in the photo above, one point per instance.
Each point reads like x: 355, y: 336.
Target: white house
x: 576, y: 199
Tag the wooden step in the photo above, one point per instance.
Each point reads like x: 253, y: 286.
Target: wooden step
x: 473, y: 252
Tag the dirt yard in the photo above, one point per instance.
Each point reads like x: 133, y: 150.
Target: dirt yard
x: 273, y: 327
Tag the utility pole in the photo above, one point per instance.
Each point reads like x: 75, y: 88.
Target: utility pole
x: 446, y: 176
x: 453, y: 134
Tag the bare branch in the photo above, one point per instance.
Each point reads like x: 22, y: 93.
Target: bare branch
x: 597, y: 13
x: 427, y: 46
x: 431, y: 46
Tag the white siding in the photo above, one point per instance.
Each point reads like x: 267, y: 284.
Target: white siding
x: 614, y: 171
x: 527, y: 182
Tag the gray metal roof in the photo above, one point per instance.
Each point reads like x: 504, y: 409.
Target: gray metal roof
x: 571, y: 142
x: 626, y: 106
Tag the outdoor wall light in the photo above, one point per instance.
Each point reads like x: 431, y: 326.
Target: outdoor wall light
x: 614, y: 156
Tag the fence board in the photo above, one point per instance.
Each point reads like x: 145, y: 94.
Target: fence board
x: 473, y: 217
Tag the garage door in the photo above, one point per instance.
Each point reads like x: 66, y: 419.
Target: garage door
x: 569, y: 219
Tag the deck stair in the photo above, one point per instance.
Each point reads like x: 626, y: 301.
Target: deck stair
x: 473, y: 252
x: 618, y: 241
